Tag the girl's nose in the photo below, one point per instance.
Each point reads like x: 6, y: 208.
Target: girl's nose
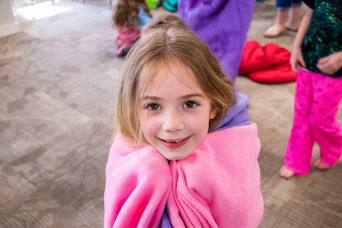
x: 172, y: 122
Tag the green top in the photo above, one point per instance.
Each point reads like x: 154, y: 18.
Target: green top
x: 324, y: 35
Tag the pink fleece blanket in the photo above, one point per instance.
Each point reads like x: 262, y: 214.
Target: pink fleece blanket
x: 217, y: 185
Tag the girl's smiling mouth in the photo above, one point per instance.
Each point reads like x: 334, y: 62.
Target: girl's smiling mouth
x: 174, y: 144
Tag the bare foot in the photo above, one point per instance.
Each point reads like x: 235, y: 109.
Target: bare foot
x: 320, y: 165
x: 275, y: 31
x: 292, y: 28
x: 285, y: 173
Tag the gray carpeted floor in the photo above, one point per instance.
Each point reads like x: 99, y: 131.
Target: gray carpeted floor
x: 57, y: 83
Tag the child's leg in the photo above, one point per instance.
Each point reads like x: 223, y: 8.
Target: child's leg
x: 285, y: 172
x: 326, y: 128
x: 293, y: 18
x: 299, y: 148
x: 320, y: 165
x: 278, y: 28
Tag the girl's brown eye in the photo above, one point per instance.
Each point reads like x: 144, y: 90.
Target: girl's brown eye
x: 190, y: 104
x: 153, y: 107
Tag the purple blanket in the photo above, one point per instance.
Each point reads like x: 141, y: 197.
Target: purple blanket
x: 223, y: 25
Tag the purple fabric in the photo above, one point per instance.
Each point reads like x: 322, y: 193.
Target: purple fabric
x: 165, y: 221
x: 223, y: 25
x: 236, y: 115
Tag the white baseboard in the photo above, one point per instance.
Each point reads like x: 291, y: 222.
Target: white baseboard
x: 9, y: 29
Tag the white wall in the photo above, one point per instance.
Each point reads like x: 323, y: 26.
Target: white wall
x: 8, y: 24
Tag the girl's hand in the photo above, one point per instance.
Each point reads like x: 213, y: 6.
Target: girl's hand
x: 297, y: 59
x: 331, y: 63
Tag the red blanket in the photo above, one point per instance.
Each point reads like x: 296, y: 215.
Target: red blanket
x: 266, y: 64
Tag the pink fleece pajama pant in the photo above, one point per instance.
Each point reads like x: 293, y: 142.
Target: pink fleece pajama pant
x: 315, y: 120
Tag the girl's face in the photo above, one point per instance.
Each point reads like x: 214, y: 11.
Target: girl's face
x: 174, y: 112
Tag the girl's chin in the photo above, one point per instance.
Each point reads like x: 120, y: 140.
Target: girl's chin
x: 175, y: 157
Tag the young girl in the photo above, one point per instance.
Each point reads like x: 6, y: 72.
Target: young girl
x: 129, y: 17
x: 164, y: 168
x: 318, y: 50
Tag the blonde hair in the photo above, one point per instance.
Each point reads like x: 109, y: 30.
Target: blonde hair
x: 165, y: 20
x: 155, y: 49
x: 126, y: 12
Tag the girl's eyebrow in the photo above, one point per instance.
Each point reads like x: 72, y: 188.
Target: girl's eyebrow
x: 193, y: 95
x: 183, y: 97
x: 150, y: 98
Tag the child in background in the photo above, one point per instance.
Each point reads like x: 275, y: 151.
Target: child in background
x: 129, y: 17
x: 318, y: 50
x: 164, y: 168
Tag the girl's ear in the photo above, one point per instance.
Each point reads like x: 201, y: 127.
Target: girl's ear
x: 212, y: 113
